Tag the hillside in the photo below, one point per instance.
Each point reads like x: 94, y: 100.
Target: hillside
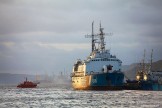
x: 157, y: 66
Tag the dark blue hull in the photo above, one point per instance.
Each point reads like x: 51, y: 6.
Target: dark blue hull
x: 143, y: 85
x: 107, y: 81
x: 150, y: 85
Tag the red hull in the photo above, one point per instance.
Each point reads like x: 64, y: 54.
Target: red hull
x: 27, y: 84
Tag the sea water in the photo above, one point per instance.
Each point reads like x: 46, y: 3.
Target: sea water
x: 66, y: 97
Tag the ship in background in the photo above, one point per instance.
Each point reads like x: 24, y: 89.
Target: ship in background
x: 146, y: 77
x: 101, y: 70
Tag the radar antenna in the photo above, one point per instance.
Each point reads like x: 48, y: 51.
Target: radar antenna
x: 102, y: 42
x: 93, y: 41
x: 100, y: 36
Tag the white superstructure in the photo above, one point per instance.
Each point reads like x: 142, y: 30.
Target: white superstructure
x: 156, y: 76
x: 100, y: 60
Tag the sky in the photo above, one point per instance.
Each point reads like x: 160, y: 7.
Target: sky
x: 48, y: 36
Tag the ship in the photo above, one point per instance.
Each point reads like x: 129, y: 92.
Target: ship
x: 146, y: 78
x: 27, y: 84
x: 101, y: 70
x: 149, y: 79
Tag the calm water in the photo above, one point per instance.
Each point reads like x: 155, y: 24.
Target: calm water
x: 57, y: 97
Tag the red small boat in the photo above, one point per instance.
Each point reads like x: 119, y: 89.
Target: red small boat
x: 27, y: 84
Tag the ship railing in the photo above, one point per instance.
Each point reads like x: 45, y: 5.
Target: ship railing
x: 79, y: 74
x: 93, y: 73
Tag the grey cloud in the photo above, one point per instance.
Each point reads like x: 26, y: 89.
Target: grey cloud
x: 150, y: 3
x: 53, y: 16
x: 37, y: 59
x: 7, y: 1
x: 136, y: 26
x: 34, y: 16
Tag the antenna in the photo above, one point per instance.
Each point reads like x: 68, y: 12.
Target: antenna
x: 144, y: 56
x: 98, y: 38
x: 93, y: 44
x: 92, y: 36
x: 102, y: 43
x: 144, y: 60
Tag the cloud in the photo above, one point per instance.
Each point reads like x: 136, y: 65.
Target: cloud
x: 48, y: 35
x: 64, y: 46
x: 7, y: 44
x: 39, y: 57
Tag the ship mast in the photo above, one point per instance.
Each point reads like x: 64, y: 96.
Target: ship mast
x: 100, y: 36
x: 93, y: 44
x: 102, y: 43
x: 144, y: 61
x: 151, y: 60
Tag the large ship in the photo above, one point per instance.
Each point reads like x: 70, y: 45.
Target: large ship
x: 101, y: 70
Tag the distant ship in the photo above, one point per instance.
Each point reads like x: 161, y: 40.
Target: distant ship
x: 101, y: 70
x: 146, y: 79
x: 27, y: 84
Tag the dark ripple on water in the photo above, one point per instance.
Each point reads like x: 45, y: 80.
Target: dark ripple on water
x: 68, y: 98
